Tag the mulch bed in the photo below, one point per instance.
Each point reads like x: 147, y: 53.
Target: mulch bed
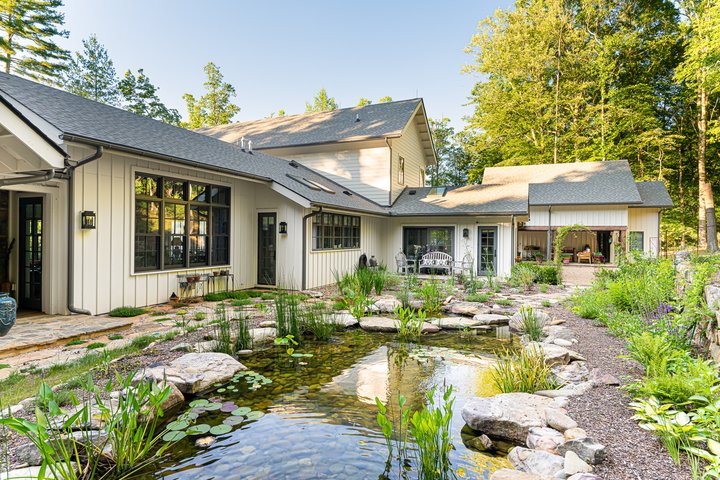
x: 603, y: 412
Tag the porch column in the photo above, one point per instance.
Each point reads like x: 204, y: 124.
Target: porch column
x: 548, y: 252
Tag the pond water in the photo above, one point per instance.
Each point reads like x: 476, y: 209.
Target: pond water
x: 317, y: 414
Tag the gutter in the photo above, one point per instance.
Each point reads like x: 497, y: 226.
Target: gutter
x: 304, y: 245
x: 71, y: 166
x: 48, y: 175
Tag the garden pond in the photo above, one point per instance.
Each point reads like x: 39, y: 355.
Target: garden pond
x: 313, y: 415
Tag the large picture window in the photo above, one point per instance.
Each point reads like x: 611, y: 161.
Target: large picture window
x: 636, y: 240
x: 332, y: 231
x: 417, y: 241
x: 180, y: 224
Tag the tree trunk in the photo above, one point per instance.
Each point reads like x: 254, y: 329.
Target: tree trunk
x: 705, y: 194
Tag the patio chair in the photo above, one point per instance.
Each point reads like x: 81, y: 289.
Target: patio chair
x: 584, y: 256
x: 463, y: 266
x: 402, y: 264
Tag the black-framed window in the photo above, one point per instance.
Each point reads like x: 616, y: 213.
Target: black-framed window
x: 636, y: 241
x: 417, y: 241
x: 180, y: 223
x: 333, y: 231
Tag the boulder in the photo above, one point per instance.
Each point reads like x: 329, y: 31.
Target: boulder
x: 545, y: 439
x: 576, y: 433
x: 508, y: 416
x: 558, y: 420
x: 267, y: 324
x: 195, y: 372
x: 481, y: 443
x: 536, y: 461
x: 387, y: 304
x: 342, y: 319
x: 468, y: 309
x: 263, y: 335
x: 575, y: 372
x: 416, y: 304
x: 510, y: 474
x: 454, y: 323
x: 28, y: 453
x: 584, y: 476
x: 175, y: 398
x: 586, y: 448
x: 598, y: 378
x: 390, y: 325
x: 490, y: 319
x: 554, y: 355
x: 574, y: 464
x: 561, y: 342
x: 558, y: 332
x: 571, y: 390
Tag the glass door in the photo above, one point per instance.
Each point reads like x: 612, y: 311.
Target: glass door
x: 267, y: 238
x: 487, y: 248
x: 30, y: 278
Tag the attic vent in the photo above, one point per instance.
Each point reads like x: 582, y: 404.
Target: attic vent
x: 412, y: 192
x: 294, y: 164
x: 310, y: 183
x: 347, y: 193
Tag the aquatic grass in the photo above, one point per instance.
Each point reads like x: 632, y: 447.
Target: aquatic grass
x: 316, y: 321
x: 230, y: 335
x: 365, y: 279
x: 524, y: 371
x: 287, y: 314
x: 409, y: 323
x: 430, y: 428
x: 380, y: 278
x: 531, y: 324
x: 432, y: 295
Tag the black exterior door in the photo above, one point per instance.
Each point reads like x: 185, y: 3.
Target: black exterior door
x: 487, y: 250
x: 604, y: 239
x: 30, y: 250
x: 267, y: 237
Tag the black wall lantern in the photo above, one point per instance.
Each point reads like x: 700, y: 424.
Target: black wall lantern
x: 283, y: 228
x: 87, y: 220
x: 466, y: 232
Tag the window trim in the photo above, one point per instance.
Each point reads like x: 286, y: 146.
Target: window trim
x: 401, y: 170
x: 332, y: 225
x: 188, y: 180
x: 642, y: 241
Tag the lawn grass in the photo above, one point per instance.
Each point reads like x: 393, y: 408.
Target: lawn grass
x: 19, y: 386
x: 127, y: 312
x: 95, y: 345
x: 4, y: 365
x: 76, y: 341
x: 115, y: 336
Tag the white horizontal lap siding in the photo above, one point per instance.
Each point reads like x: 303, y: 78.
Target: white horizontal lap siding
x: 645, y: 220
x: 409, y: 146
x: 321, y: 264
x: 104, y: 257
x: 363, y: 170
x: 590, y: 216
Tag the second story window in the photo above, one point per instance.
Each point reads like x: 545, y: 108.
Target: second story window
x: 401, y: 170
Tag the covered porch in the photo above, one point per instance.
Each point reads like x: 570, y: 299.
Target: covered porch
x: 593, y: 246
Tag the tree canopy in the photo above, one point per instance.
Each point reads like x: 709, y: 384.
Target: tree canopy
x: 322, y: 102
x: 139, y: 96
x: 91, y: 73
x: 215, y: 107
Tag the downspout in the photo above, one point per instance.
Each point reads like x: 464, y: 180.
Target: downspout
x: 71, y: 166
x: 549, y: 235
x: 658, y: 233
x: 512, y: 240
x: 304, y: 245
x: 389, y: 145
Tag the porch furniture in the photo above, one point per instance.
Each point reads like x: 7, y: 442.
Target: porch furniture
x: 403, y: 266
x: 463, y: 266
x: 586, y: 256
x: 436, y: 261
x: 598, y: 257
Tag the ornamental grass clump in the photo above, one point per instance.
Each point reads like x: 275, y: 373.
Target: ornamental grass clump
x: 524, y: 371
x: 317, y: 321
x: 531, y: 324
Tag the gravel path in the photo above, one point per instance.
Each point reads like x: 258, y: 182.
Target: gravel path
x: 633, y: 453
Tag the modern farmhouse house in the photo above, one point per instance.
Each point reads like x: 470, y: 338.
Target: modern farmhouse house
x: 101, y: 208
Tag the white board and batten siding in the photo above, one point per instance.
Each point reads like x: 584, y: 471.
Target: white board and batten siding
x: 105, y: 276
x: 646, y: 220
x: 394, y: 237
x: 590, y: 216
x: 409, y: 147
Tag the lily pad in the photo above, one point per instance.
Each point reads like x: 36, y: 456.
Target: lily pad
x: 199, y: 402
x: 241, y: 411
x: 198, y: 429
x: 228, y: 407
x: 221, y: 390
x: 234, y: 420
x: 212, y: 407
x: 254, y: 415
x: 178, y: 425
x: 174, y: 436
x: 220, y: 429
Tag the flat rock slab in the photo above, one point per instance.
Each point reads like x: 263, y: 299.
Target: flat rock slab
x: 554, y: 354
x: 509, y: 416
x: 536, y: 461
x: 468, y: 309
x: 390, y: 325
x: 263, y: 335
x: 387, y: 304
x: 342, y: 319
x: 195, y: 372
x: 510, y: 474
x: 454, y: 323
x: 491, y: 319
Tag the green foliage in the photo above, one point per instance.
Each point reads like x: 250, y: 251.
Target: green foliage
x: 75, y: 341
x: 231, y: 334
x: 432, y: 294
x: 322, y: 102
x: 215, y: 106
x: 452, y: 160
x: 95, y: 345
x: 91, y: 73
x: 524, y: 371
x: 505, y: 302
x: 531, y: 324
x: 28, y: 34
x: 410, y: 323
x: 115, y: 336
x: 590, y: 303
x: 316, y: 321
x: 430, y: 428
x: 522, y: 275
x: 287, y: 314
x: 358, y: 303
x: 654, y: 352
x: 139, y: 96
x: 127, y: 312
x: 380, y: 278
x: 478, y: 297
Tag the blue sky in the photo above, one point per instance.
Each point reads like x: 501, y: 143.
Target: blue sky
x: 279, y: 54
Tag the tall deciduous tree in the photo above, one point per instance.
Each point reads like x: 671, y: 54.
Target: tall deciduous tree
x: 92, y: 74
x: 385, y: 99
x: 451, y: 168
x: 364, y: 101
x: 139, y: 96
x: 215, y: 107
x: 28, y: 31
x: 322, y: 102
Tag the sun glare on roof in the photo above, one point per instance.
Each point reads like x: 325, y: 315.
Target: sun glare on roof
x: 311, y: 183
x: 437, y: 191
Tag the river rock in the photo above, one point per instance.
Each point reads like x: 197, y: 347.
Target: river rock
x: 343, y: 319
x: 584, y: 476
x: 267, y: 324
x: 481, y: 443
x: 468, y: 309
x: 262, y: 335
x: 205, y: 441
x: 29, y: 473
x: 574, y: 464
x: 510, y: 474
x: 182, y: 347
x: 554, y: 355
x: 571, y: 390
x: 536, y: 461
x: 558, y: 420
x: 195, y: 372
x: 454, y: 323
x: 597, y: 377
x: 576, y: 433
x: 544, y: 438
x: 490, y: 319
x: 416, y: 304
x: 508, y: 416
x: 390, y: 325
x: 561, y: 342
x: 387, y: 304
x: 586, y: 448
x: 575, y: 372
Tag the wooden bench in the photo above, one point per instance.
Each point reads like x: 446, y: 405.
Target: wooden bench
x: 437, y: 261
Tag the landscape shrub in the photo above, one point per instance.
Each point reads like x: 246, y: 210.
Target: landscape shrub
x: 654, y: 352
x: 524, y: 371
x: 477, y: 297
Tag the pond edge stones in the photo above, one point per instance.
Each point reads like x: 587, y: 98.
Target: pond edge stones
x: 194, y: 372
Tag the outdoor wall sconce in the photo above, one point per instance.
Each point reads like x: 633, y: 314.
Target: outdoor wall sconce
x: 466, y: 232
x: 87, y: 220
x: 283, y: 228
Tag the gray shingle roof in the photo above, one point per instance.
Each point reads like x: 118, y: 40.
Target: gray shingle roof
x: 375, y: 121
x: 579, y: 183
x: 96, y: 123
x: 654, y: 194
x: 467, y: 200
